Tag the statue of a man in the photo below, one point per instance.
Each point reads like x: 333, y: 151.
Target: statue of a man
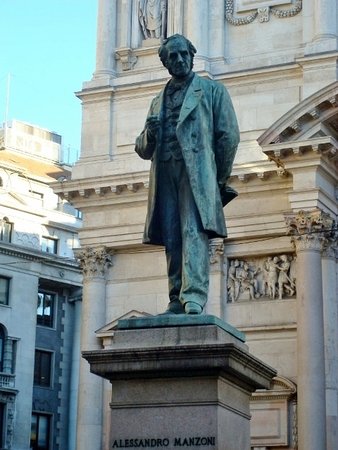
x: 191, y: 136
x: 152, y: 17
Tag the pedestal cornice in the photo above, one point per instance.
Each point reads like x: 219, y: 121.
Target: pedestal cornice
x: 202, y: 356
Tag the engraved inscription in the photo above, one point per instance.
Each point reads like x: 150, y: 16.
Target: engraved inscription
x: 200, y: 441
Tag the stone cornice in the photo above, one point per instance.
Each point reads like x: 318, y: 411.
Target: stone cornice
x: 34, y: 255
x: 301, y: 152
x: 326, y: 145
x: 126, y: 185
x: 281, y: 389
x: 263, y: 170
x: 158, y: 361
x: 136, y: 83
x: 303, y: 116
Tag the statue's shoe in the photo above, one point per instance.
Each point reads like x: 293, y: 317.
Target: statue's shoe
x: 174, y: 307
x: 193, y: 308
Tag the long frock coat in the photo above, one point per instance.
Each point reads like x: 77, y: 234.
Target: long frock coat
x: 208, y: 134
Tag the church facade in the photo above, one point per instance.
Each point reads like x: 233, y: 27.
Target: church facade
x: 275, y: 276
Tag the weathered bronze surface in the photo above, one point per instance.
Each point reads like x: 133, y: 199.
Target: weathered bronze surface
x: 191, y: 135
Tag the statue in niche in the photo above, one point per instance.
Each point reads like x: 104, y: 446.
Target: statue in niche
x: 153, y: 18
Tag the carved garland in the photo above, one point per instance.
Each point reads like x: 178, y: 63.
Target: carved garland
x: 262, y: 13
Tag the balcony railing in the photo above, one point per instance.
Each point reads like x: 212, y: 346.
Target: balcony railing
x: 7, y: 380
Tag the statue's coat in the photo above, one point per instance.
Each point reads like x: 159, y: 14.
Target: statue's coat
x: 208, y: 135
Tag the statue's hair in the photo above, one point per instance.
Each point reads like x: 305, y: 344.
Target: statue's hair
x: 162, y: 51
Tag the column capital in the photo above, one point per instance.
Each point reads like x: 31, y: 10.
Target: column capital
x: 216, y: 250
x: 330, y: 245
x: 94, y: 261
x: 311, y: 230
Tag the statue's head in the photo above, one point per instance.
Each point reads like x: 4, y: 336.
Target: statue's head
x: 177, y: 55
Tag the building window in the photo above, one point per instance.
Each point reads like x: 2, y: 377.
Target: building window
x: 6, y: 228
x: 49, y: 244
x: 2, y: 347
x: 4, y: 290
x: 40, y: 432
x: 42, y: 368
x: 2, y: 424
x: 45, y: 309
x: 78, y: 214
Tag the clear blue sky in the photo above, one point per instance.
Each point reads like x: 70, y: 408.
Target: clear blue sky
x: 48, y: 48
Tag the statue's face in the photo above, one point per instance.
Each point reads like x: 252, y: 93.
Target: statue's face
x: 179, y: 61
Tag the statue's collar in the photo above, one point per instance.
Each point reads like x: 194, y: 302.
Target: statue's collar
x: 177, y: 83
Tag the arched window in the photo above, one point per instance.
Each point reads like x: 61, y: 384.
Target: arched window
x: 6, y: 228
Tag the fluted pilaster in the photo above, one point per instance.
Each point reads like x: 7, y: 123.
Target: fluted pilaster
x: 309, y: 231
x: 106, y: 39
x: 330, y: 308
x: 94, y: 263
x: 217, y: 279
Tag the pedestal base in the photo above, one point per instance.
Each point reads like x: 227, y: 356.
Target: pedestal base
x: 179, y: 382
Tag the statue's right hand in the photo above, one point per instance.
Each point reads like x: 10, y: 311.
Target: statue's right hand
x: 153, y: 125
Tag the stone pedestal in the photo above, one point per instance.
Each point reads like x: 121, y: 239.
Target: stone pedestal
x: 179, y: 381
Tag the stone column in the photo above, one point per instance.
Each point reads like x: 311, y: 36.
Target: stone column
x: 216, y: 29
x: 217, y: 279
x: 94, y: 263
x: 307, y: 230
x: 331, y: 338
x: 125, y: 20
x: 136, y: 33
x: 325, y: 19
x: 76, y: 300
x: 175, y: 17
x: 320, y: 26
x: 106, y: 39
x: 197, y: 13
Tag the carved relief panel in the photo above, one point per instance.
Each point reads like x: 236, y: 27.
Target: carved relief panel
x: 273, y: 277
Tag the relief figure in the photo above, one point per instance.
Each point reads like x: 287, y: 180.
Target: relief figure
x: 274, y: 277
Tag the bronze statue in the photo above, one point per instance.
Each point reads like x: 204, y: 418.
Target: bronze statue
x: 191, y: 136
